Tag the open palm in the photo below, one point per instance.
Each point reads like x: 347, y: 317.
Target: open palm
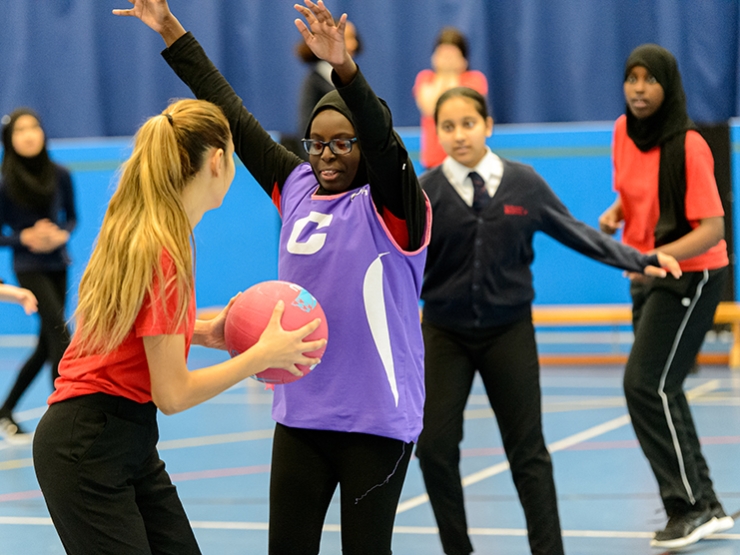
x: 152, y: 12
x: 323, y: 35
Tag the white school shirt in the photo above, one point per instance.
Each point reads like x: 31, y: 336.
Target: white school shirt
x: 490, y: 168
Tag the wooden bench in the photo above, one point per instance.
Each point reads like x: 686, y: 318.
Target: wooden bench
x: 620, y: 315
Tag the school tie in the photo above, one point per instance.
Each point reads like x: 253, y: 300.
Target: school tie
x: 480, y: 194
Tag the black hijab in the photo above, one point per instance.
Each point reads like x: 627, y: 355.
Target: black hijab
x: 666, y: 128
x: 332, y: 101
x: 28, y: 181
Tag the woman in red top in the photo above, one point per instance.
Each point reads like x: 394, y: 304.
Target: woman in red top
x: 667, y: 200
x: 95, y: 448
x: 449, y: 70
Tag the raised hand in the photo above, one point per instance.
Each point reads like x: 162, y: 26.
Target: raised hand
x: 155, y: 14
x: 152, y: 12
x: 323, y: 35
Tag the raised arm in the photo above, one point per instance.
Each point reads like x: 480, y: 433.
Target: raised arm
x: 393, y: 183
x: 267, y: 161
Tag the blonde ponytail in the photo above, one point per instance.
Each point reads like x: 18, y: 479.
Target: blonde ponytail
x: 144, y: 217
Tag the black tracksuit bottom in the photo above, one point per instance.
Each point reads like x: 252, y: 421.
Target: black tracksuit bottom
x: 506, y: 357
x: 670, y: 319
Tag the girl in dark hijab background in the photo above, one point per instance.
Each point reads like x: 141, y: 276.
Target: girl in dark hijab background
x: 667, y: 201
x: 37, y: 215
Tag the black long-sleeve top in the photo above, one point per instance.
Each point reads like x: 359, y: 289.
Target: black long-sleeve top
x: 15, y: 217
x: 393, y: 183
x: 478, y: 271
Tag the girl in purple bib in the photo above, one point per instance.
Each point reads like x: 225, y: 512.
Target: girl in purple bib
x: 355, y: 229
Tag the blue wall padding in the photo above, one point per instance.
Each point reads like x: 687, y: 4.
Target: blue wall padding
x: 237, y: 243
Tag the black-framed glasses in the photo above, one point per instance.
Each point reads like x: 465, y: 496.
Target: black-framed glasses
x: 337, y: 146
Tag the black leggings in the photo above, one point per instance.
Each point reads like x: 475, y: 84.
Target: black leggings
x: 50, y: 289
x: 307, y: 466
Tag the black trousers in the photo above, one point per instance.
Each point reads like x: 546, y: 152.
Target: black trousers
x: 670, y: 320
x: 506, y: 358
x: 105, y: 486
x: 307, y: 466
x: 50, y: 289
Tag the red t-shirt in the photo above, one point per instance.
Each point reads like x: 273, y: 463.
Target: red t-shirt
x: 431, y: 152
x: 124, y: 372
x: 636, y: 182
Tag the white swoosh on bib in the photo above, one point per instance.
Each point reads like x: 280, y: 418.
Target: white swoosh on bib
x: 372, y: 292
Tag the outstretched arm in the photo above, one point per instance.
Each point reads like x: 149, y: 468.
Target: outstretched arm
x: 19, y: 295
x: 559, y: 223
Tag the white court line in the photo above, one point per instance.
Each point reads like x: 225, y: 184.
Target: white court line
x: 206, y: 525
x: 30, y: 414
x: 553, y: 447
x: 220, y: 439
x: 202, y: 441
x: 243, y: 398
x: 421, y: 530
x: 16, y: 463
x: 266, y: 434
x: 418, y: 530
x: 214, y: 439
x: 557, y: 406
x: 23, y: 416
x: 28, y: 520
x: 25, y: 340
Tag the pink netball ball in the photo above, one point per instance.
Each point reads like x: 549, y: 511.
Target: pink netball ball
x: 250, y: 313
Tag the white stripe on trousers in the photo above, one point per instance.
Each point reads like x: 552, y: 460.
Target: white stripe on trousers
x: 664, y: 397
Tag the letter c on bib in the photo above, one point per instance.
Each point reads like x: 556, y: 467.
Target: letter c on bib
x: 315, y: 241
